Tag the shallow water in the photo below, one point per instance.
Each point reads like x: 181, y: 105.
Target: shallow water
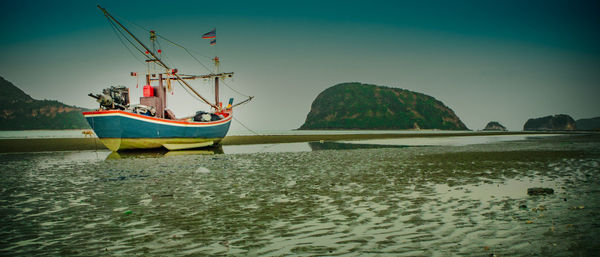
x: 77, y: 133
x: 327, y: 199
x: 449, y: 141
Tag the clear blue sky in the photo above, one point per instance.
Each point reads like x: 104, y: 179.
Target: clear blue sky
x: 487, y: 60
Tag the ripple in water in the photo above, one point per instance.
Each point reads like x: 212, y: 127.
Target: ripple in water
x: 466, y: 200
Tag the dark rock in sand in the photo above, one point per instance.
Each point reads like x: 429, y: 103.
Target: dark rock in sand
x: 494, y: 126
x: 540, y: 191
x: 559, y: 122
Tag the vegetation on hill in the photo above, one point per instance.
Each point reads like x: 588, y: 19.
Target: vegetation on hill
x: 494, y: 126
x: 363, y: 106
x: 558, y: 122
x: 18, y: 111
x: 588, y: 124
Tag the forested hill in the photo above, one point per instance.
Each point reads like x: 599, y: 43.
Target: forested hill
x: 18, y: 111
x: 364, y: 106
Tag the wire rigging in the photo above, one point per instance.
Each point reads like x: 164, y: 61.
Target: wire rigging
x: 117, y: 32
x: 188, y: 51
x: 170, y: 41
x: 178, y: 45
x: 242, y: 94
x: 128, y: 40
x: 255, y: 133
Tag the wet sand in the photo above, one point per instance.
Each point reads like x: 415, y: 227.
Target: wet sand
x: 73, y: 144
x: 414, y: 201
x: 49, y: 144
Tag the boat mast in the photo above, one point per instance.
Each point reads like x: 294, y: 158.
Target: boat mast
x: 216, y: 59
x: 158, y: 60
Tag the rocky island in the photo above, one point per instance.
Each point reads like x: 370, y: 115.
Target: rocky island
x: 365, y: 106
x: 494, y: 126
x: 559, y: 122
x: 588, y: 124
x: 19, y: 111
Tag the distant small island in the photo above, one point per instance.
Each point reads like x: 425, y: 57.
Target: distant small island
x: 18, y: 111
x: 494, y: 126
x: 364, y: 106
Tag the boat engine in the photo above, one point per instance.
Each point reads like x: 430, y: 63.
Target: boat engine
x: 113, y: 98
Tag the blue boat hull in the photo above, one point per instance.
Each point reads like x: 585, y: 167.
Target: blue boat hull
x: 120, y: 130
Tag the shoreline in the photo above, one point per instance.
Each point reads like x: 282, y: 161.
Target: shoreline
x: 14, y: 145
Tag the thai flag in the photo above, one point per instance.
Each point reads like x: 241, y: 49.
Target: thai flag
x: 211, y: 34
x: 213, y: 42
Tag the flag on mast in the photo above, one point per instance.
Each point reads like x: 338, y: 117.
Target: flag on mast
x: 213, y: 42
x: 210, y: 34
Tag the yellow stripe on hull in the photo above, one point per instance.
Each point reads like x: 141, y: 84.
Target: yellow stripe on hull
x: 117, y: 144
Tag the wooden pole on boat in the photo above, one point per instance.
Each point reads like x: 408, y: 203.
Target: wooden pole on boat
x: 217, y: 91
x: 242, y: 102
x: 156, y: 58
x: 162, y: 96
x: 216, y: 59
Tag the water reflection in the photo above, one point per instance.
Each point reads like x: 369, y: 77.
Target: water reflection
x: 317, y: 146
x: 247, y: 149
x: 449, y: 141
x: 158, y: 153
x: 59, y: 158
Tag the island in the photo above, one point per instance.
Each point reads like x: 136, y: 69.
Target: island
x: 355, y: 105
x: 494, y: 126
x: 559, y: 122
x: 588, y: 124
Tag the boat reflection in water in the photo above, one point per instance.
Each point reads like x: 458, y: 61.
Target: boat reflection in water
x: 159, y: 153
x: 246, y: 149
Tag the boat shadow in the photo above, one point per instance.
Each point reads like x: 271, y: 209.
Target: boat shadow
x: 160, y: 153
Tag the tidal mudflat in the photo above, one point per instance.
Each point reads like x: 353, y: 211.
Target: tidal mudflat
x: 334, y: 200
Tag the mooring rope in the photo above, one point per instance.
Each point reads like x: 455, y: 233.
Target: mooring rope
x: 252, y: 131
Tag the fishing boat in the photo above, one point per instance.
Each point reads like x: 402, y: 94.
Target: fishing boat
x: 121, y: 125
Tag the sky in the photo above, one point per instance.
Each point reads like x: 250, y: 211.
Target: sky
x: 504, y: 61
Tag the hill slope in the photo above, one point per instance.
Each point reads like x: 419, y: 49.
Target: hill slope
x: 494, y: 126
x: 363, y: 106
x: 588, y: 124
x: 18, y: 111
x: 559, y: 122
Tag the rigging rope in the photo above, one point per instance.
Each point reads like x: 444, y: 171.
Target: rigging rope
x: 128, y: 40
x: 255, y: 133
x: 117, y: 32
x: 178, y: 45
x: 188, y: 91
x: 186, y: 50
x: 223, y: 81
x: 175, y: 44
x: 164, y: 58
